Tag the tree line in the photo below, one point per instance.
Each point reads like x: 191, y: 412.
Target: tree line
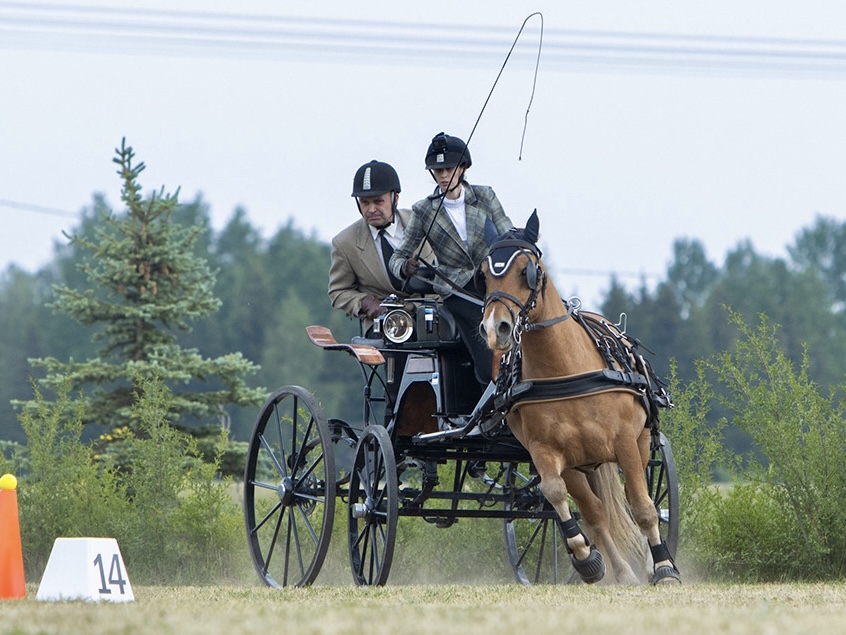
x: 271, y: 288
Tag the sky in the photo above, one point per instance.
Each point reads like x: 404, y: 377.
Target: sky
x: 646, y: 122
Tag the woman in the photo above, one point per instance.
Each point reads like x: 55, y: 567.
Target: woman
x: 454, y: 220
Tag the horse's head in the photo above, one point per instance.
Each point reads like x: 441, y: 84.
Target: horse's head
x: 514, y: 281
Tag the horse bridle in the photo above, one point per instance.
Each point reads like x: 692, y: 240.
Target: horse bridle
x: 498, y: 269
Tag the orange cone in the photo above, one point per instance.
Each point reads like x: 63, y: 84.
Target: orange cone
x: 12, y: 584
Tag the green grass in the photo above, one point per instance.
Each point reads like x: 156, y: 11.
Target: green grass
x: 468, y: 609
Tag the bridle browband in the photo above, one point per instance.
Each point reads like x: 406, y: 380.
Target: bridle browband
x: 536, y: 283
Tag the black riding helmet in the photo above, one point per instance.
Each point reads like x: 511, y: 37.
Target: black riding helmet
x: 447, y: 152
x: 374, y: 179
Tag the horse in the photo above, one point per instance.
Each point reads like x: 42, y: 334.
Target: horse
x: 581, y: 408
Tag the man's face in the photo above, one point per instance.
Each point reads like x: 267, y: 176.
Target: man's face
x: 377, y: 210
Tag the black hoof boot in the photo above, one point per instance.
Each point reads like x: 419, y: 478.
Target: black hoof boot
x: 592, y: 568
x: 666, y: 575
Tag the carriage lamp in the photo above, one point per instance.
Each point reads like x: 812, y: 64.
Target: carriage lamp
x: 397, y: 326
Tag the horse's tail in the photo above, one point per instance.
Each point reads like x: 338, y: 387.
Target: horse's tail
x: 605, y: 483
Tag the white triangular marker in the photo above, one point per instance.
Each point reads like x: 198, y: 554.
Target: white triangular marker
x: 85, y: 569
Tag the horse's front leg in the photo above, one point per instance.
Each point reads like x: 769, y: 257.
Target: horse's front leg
x: 586, y: 559
x: 596, y: 509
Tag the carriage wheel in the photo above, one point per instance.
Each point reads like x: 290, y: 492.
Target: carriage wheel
x: 373, y: 508
x: 536, y: 546
x: 289, y: 489
x: 661, y: 479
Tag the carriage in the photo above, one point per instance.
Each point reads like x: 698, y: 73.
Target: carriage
x: 431, y: 444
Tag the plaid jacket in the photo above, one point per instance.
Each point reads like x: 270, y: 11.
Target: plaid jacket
x: 456, y: 260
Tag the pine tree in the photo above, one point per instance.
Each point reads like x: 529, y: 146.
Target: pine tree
x: 147, y: 284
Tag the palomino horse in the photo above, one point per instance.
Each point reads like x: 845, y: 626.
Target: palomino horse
x: 579, y: 408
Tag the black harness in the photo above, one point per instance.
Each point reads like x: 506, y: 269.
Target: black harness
x: 626, y: 369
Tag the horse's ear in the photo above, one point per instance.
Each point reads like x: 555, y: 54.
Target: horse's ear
x: 490, y: 232
x: 532, y: 228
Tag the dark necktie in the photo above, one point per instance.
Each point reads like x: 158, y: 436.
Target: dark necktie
x: 387, y: 252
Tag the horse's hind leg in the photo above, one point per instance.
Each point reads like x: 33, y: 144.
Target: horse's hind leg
x: 587, y: 561
x: 644, y: 512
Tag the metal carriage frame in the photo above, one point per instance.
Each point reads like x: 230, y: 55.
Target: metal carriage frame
x: 420, y: 411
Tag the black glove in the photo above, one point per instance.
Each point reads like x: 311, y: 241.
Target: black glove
x: 370, y: 307
x: 409, y: 267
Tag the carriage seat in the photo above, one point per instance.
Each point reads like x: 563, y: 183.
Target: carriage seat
x: 449, y: 331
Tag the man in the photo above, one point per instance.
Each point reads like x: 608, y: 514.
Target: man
x: 454, y: 219
x: 358, y: 277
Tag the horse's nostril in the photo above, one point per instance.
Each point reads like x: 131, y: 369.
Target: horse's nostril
x: 483, y: 331
x: 503, y: 328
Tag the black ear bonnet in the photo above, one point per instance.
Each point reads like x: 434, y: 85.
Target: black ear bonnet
x: 505, y: 249
x: 503, y: 253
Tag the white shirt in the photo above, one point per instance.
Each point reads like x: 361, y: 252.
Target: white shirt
x: 457, y: 214
x: 393, y: 232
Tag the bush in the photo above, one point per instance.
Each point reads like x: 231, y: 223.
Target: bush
x: 784, y: 518
x: 696, y: 446
x: 175, y: 520
x: 14, y: 457
x: 747, y: 534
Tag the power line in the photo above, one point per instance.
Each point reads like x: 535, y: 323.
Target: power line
x: 76, y: 28
x: 606, y: 273
x: 39, y: 209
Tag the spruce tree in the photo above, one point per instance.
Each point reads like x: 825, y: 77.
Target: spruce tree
x: 146, y: 285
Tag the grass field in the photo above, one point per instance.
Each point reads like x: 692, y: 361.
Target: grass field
x: 468, y: 609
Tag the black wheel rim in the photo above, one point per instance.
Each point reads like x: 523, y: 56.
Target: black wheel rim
x: 535, y: 546
x: 289, y: 489
x: 663, y: 486
x: 373, y: 508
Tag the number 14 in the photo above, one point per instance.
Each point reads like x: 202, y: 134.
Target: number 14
x: 115, y: 574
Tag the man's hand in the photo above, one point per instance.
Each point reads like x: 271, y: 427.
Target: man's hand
x: 370, y: 307
x: 410, y: 266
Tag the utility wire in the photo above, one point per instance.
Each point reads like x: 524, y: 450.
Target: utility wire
x: 53, y: 211
x: 47, y: 26
x: 39, y: 209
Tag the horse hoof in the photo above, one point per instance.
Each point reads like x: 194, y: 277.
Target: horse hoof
x: 592, y: 568
x: 666, y: 575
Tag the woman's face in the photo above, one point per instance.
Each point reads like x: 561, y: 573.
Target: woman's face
x: 449, y: 178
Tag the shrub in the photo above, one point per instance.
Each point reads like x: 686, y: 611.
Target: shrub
x: 747, y: 534
x: 696, y: 446
x: 63, y: 494
x: 173, y: 518
x: 784, y: 517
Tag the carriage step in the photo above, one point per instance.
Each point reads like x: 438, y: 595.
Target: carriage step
x: 441, y: 522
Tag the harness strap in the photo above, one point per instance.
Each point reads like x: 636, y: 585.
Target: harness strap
x: 572, y: 386
x: 536, y: 326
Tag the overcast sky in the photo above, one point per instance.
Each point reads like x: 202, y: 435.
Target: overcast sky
x: 720, y: 121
